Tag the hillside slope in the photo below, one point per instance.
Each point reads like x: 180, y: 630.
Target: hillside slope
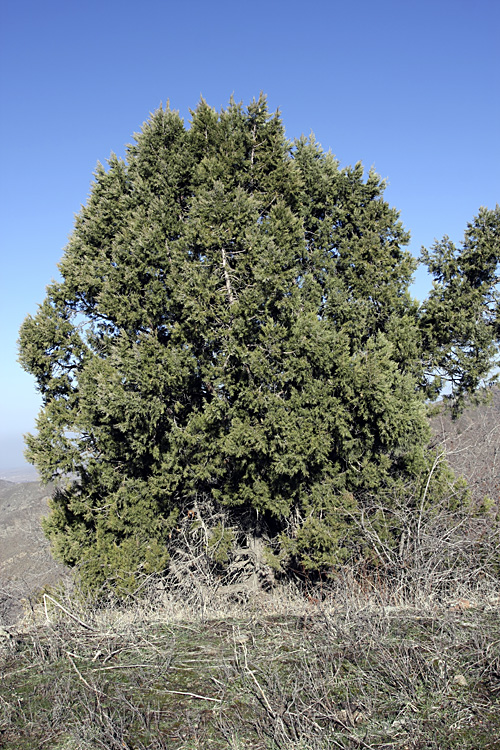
x: 25, y: 561
x: 472, y: 446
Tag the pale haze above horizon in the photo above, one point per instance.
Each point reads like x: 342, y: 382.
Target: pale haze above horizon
x: 410, y: 89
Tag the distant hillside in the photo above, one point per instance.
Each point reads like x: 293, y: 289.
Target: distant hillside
x: 472, y: 445
x: 25, y: 561
x: 24, y: 473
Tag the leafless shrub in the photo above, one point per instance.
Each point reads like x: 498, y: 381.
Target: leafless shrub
x: 472, y: 446
x: 444, y: 550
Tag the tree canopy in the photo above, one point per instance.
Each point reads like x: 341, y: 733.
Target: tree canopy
x: 234, y: 326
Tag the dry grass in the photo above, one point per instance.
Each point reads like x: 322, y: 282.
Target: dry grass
x: 341, y: 669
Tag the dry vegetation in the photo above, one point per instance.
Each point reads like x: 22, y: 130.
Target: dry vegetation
x: 358, y: 664
x: 404, y: 657
x: 339, y: 675
x: 472, y: 446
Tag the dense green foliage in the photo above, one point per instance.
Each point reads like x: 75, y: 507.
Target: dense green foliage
x: 234, y: 324
x: 460, y: 320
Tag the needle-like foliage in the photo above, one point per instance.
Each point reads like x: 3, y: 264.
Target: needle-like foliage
x: 234, y: 325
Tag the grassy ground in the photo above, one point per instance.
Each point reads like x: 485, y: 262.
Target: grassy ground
x: 276, y: 671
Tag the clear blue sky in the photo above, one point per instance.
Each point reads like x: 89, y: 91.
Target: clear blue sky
x: 411, y: 88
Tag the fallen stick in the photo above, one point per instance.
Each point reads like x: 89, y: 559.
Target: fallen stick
x: 66, y: 611
x: 193, y: 695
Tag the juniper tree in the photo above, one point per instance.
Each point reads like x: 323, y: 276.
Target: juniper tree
x: 460, y: 319
x: 233, y: 322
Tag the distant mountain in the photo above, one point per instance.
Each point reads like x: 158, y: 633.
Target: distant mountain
x: 24, y: 473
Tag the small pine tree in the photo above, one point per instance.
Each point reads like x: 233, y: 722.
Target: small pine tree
x: 234, y: 324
